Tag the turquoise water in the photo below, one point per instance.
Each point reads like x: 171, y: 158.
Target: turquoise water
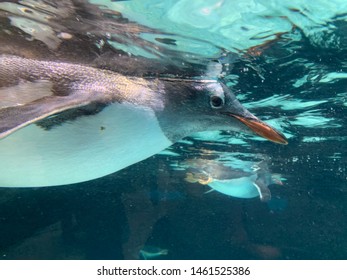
x: 286, y: 62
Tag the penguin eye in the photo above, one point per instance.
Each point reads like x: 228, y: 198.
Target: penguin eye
x: 216, y: 102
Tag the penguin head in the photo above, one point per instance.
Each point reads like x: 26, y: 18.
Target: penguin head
x: 201, y: 105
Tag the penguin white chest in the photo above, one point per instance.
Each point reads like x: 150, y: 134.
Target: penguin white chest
x: 242, y: 187
x: 87, y: 148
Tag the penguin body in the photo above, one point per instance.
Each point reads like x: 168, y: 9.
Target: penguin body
x: 246, y: 181
x: 64, y: 123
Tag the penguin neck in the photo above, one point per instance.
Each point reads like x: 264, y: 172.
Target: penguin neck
x: 176, y: 128
x: 176, y: 119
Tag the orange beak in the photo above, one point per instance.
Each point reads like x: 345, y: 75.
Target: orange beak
x: 262, y: 129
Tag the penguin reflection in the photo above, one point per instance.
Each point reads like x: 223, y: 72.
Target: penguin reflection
x: 159, y: 215
x: 236, y: 182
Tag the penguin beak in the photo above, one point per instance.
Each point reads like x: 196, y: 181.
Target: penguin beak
x: 262, y: 129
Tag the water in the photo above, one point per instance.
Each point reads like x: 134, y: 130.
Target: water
x: 286, y: 60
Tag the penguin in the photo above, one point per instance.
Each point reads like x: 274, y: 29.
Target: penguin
x: 64, y: 123
x: 236, y: 182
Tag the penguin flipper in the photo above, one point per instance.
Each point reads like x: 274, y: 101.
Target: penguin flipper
x: 16, y: 117
x: 264, y: 192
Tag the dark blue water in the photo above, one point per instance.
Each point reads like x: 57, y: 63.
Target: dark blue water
x: 292, y: 73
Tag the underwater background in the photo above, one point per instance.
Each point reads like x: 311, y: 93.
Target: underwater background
x: 286, y: 61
